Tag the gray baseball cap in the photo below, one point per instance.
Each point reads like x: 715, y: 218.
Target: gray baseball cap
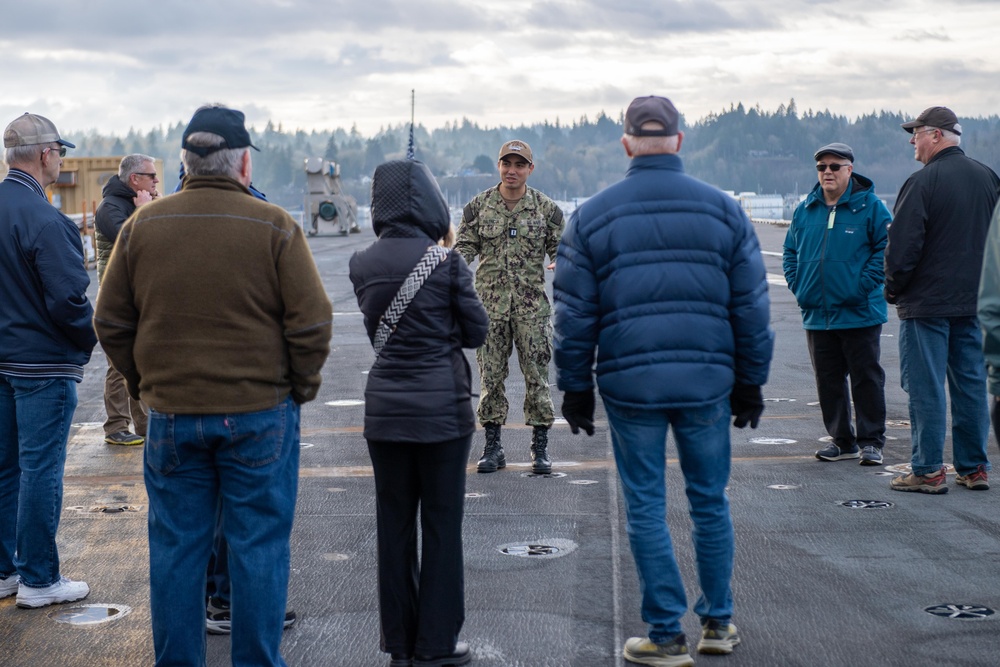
x: 30, y: 130
x: 838, y: 149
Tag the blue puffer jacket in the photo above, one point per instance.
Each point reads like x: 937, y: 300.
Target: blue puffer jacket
x: 836, y: 274
x: 661, y: 275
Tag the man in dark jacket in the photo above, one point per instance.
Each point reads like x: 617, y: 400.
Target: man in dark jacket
x: 213, y: 310
x: 46, y: 338
x: 133, y: 186
x: 834, y: 265
x: 932, y: 268
x: 661, y: 278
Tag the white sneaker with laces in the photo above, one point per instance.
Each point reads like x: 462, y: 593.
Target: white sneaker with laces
x: 64, y: 590
x: 9, y: 585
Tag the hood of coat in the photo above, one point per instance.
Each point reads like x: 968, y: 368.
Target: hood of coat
x: 404, y: 192
x: 116, y: 188
x: 859, y: 188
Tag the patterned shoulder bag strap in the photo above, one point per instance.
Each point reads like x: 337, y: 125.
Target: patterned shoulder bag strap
x: 387, y: 323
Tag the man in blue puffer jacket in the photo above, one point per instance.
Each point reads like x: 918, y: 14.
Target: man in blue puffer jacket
x: 660, y: 277
x: 834, y: 265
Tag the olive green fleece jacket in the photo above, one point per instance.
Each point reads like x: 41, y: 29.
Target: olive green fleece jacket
x: 212, y: 303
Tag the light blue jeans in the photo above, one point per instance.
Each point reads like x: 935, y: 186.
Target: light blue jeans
x: 931, y: 351
x: 35, y: 418
x: 702, y: 438
x: 249, y: 462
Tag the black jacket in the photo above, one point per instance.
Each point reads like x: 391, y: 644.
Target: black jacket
x: 936, y: 239
x: 118, y: 204
x: 420, y: 388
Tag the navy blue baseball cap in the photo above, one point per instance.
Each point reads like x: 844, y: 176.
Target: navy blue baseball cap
x: 227, y: 123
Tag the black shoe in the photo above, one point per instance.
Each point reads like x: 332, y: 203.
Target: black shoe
x: 401, y: 660
x: 462, y: 655
x: 540, y: 464
x: 493, y: 457
x: 219, y: 622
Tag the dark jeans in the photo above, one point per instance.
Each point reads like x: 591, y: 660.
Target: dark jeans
x: 836, y: 355
x: 421, y: 600
x: 218, y: 566
x: 35, y: 418
x: 250, y: 463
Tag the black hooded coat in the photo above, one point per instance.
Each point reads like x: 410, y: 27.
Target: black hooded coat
x: 420, y: 388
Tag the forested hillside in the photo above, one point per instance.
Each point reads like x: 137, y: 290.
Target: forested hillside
x: 736, y: 149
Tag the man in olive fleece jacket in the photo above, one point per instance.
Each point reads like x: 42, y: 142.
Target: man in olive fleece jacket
x: 214, y: 312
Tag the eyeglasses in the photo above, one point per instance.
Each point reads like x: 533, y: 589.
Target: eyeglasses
x: 832, y: 167
x: 61, y: 150
x: 916, y: 132
x: 144, y: 173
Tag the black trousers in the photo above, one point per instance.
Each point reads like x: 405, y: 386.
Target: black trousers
x: 840, y: 353
x: 421, y: 597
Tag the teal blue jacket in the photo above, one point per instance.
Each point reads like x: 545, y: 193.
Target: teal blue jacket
x: 836, y: 270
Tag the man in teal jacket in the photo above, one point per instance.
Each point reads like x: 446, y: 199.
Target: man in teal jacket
x: 833, y: 261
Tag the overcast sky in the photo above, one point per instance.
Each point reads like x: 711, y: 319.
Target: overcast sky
x: 336, y: 63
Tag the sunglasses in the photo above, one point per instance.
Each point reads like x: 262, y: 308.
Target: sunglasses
x: 145, y: 173
x: 832, y: 167
x: 61, y: 150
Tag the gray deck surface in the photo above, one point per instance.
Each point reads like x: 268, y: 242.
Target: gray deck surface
x: 816, y: 583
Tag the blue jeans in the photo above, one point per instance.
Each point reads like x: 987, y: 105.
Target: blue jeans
x: 932, y: 350
x: 249, y: 462
x: 702, y: 438
x: 35, y: 418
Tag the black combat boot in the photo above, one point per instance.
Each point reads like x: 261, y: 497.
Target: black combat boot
x: 493, y: 457
x: 540, y: 464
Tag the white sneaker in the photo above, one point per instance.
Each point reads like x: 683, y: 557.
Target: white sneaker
x: 64, y: 590
x: 8, y: 586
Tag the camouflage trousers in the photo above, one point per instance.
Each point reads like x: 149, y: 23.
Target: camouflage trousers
x: 532, y: 336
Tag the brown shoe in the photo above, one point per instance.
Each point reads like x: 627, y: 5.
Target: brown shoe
x: 920, y: 483
x: 977, y: 480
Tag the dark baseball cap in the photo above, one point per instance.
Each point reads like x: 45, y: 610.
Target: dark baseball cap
x: 651, y: 109
x: 939, y: 117
x: 227, y: 123
x: 30, y: 129
x: 840, y: 150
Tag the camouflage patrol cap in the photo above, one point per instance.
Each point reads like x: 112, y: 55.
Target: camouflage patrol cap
x: 516, y: 147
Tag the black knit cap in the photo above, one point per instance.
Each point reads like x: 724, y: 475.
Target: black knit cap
x: 227, y: 123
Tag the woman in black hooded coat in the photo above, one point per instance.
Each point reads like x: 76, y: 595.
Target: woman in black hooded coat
x: 418, y: 416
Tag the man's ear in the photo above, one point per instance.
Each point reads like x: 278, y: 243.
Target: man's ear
x: 628, y: 149
x: 246, y: 167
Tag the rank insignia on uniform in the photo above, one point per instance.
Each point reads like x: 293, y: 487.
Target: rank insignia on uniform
x: 513, y: 232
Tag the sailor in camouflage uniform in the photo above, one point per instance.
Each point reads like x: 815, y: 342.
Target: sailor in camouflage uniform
x: 510, y: 228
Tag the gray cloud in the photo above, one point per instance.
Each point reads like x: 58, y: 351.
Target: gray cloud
x: 922, y: 36
x: 642, y: 18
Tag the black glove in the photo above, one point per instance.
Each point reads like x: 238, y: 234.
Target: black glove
x: 578, y: 409
x: 747, y: 404
x: 995, y: 416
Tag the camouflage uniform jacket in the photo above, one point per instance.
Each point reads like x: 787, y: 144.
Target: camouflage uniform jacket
x: 511, y: 246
